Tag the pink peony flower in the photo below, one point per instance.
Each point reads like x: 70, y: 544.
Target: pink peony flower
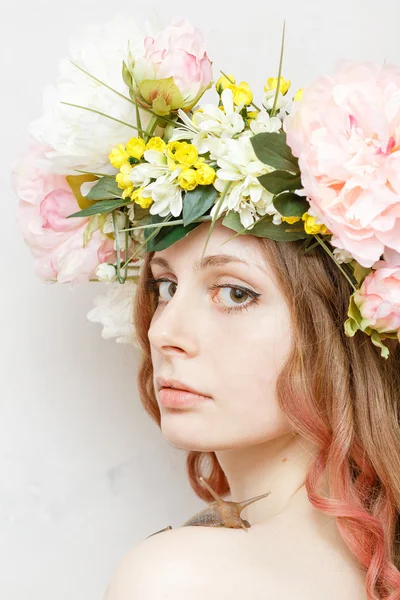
x: 45, y: 199
x: 379, y: 299
x: 179, y: 52
x: 346, y: 134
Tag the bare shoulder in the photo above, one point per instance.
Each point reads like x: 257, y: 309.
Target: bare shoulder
x: 168, y: 565
x: 178, y: 563
x: 214, y: 563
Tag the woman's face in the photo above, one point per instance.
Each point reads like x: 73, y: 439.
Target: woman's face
x: 227, y: 343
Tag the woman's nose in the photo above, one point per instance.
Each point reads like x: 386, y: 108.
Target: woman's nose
x: 175, y: 324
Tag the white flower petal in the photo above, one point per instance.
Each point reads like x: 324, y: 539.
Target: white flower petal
x: 155, y: 158
x: 227, y: 100
x: 81, y: 139
x: 114, y: 312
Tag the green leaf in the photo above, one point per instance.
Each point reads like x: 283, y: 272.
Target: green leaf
x: 75, y: 182
x: 266, y: 228
x: 140, y: 213
x: 168, y: 236
x: 355, y: 322
x: 104, y: 206
x: 95, y: 222
x: 215, y: 217
x: 280, y: 181
x: 196, y: 202
x: 376, y: 339
x: 106, y: 188
x: 132, y: 95
x: 290, y: 204
x: 360, y: 272
x: 126, y: 75
x: 273, y: 150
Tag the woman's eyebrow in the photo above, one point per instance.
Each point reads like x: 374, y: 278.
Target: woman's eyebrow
x: 213, y: 260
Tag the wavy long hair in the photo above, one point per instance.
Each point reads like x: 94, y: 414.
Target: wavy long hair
x: 336, y: 391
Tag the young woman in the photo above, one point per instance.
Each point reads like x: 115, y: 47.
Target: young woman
x: 292, y: 398
x: 288, y: 405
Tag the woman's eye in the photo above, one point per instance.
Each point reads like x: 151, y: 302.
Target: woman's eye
x: 166, y: 289
x: 232, y: 297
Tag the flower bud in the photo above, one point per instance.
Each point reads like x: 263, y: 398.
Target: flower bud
x: 106, y: 273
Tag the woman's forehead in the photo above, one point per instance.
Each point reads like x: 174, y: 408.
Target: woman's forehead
x: 223, y: 242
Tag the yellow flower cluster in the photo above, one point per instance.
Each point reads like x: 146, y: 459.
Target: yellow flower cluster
x: 182, y: 154
x: 272, y: 84
x: 156, y: 143
x: 310, y: 226
x: 242, y: 93
x: 139, y: 199
x: 200, y: 174
x: 284, y: 85
x: 195, y: 171
x: 124, y: 157
x: 134, y: 149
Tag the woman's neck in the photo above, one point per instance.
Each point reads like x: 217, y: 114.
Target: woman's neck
x: 279, y: 466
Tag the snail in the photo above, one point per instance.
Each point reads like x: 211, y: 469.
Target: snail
x: 221, y: 513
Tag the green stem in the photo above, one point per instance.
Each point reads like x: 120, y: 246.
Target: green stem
x: 325, y: 247
x: 170, y: 128
x: 246, y: 228
x: 103, y: 115
x: 133, y: 277
x: 138, y: 119
x: 118, y: 93
x: 227, y: 187
x: 310, y: 247
x: 126, y: 246
x: 102, y: 83
x: 279, y: 73
x: 168, y: 224
x: 151, y: 127
x: 141, y: 246
x: 163, y: 118
x: 116, y: 233
x: 230, y: 81
x: 96, y: 174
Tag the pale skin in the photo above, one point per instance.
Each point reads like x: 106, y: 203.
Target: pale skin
x: 234, y: 356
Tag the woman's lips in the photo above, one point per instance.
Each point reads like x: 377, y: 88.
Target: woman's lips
x: 172, y: 398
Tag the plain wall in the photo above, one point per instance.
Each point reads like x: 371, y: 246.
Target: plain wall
x: 85, y: 473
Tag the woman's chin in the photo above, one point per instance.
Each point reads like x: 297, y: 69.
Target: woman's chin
x: 185, y: 437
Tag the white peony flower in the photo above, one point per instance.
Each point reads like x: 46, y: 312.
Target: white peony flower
x: 114, y: 311
x: 247, y: 196
x: 106, y: 273
x: 83, y: 139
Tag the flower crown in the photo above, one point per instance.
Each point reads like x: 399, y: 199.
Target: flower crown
x: 124, y: 161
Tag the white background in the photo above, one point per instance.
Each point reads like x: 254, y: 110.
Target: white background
x: 85, y: 473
